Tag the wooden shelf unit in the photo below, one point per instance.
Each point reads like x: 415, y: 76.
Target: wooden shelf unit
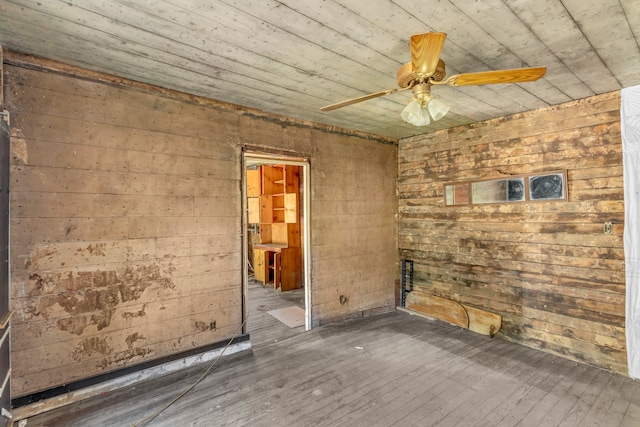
x: 253, y: 195
x: 278, y: 257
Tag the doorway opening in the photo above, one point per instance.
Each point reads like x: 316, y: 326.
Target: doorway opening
x: 276, y: 242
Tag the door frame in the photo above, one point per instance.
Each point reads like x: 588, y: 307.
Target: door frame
x: 5, y: 271
x: 250, y: 158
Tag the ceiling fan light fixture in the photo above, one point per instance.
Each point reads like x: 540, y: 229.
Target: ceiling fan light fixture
x: 422, y: 107
x: 437, y: 109
x: 415, y: 113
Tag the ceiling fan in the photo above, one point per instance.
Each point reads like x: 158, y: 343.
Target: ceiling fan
x: 426, y: 69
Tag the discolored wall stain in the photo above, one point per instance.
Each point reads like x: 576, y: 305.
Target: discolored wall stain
x: 40, y: 253
x: 19, y: 151
x: 102, y: 319
x: 204, y: 326
x: 137, y: 280
x: 131, y: 339
x: 69, y: 229
x: 40, y: 284
x: 90, y: 297
x: 96, y: 249
x: 90, y: 300
x: 74, y: 325
x: 36, y: 331
x: 123, y: 357
x: 89, y: 347
x: 134, y: 314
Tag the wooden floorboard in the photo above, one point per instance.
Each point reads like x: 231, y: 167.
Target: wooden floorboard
x: 561, y: 407
x: 385, y: 370
x: 263, y: 327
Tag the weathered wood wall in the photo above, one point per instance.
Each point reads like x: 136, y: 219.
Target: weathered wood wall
x: 547, y: 267
x: 126, y: 223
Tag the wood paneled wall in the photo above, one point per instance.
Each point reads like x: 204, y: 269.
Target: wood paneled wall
x: 126, y: 223
x: 547, y: 267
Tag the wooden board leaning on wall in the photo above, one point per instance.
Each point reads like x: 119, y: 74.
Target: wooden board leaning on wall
x: 465, y: 316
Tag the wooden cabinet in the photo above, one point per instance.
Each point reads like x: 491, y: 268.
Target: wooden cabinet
x: 290, y: 271
x: 253, y: 207
x: 278, y: 257
x: 291, y: 209
x: 278, y: 264
x: 253, y: 196
x: 259, y: 262
x: 253, y: 183
x: 272, y: 195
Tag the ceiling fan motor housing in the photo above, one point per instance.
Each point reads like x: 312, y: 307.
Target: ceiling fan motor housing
x: 407, y: 78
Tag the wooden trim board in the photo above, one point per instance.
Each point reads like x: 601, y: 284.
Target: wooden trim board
x: 482, y: 321
x: 440, y: 308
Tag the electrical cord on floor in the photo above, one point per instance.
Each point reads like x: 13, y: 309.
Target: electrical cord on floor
x: 198, y: 381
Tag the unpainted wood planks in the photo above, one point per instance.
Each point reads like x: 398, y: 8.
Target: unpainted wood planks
x: 548, y: 268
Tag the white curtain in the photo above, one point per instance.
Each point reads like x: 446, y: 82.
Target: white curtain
x: 630, y: 128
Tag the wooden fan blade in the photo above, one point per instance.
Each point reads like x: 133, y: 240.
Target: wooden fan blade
x: 495, y: 77
x: 358, y: 99
x: 425, y: 52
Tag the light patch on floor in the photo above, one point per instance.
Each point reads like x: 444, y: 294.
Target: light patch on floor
x: 291, y: 316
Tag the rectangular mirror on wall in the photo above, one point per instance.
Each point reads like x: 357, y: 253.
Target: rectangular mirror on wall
x: 547, y: 187
x: 498, y: 191
x: 457, y: 194
x: 520, y: 188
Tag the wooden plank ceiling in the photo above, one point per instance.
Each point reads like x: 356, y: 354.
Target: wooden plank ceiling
x: 290, y: 57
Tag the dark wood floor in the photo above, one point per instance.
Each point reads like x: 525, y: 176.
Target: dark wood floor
x: 387, y: 370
